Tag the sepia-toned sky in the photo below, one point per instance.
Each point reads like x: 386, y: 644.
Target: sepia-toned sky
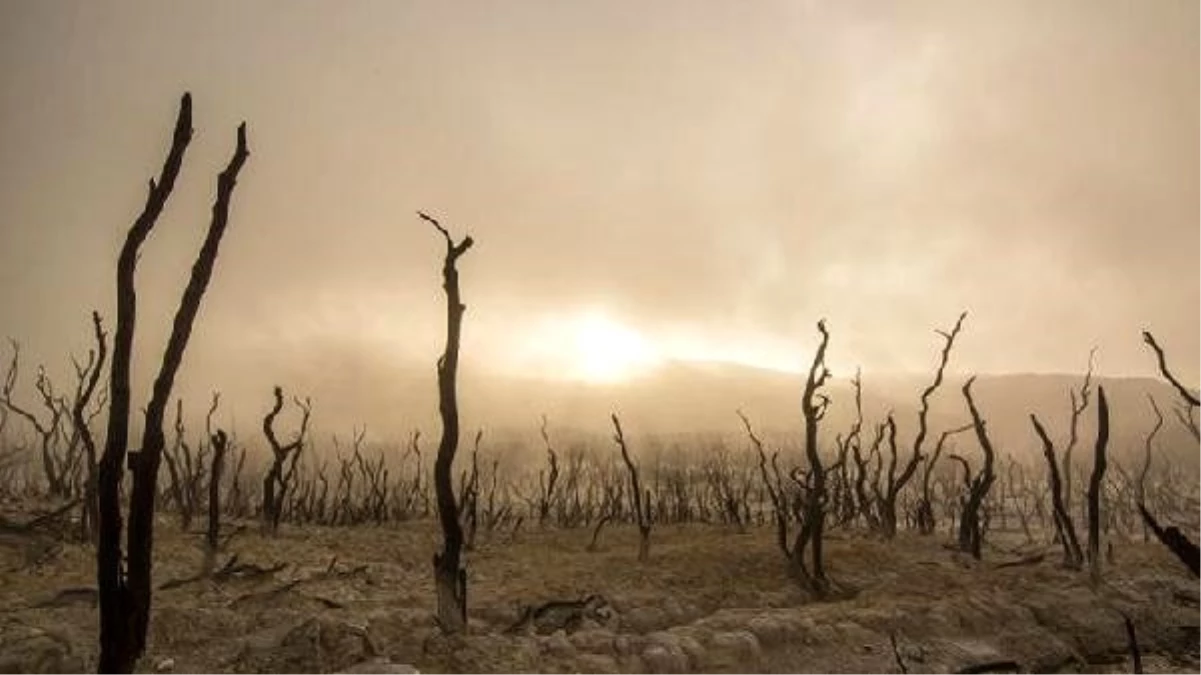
x: 670, y: 180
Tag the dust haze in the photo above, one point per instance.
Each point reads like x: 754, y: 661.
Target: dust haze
x: 709, y: 179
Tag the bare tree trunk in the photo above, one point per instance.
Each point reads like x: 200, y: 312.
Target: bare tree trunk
x: 1072, y: 555
x: 1175, y: 541
x: 1080, y: 403
x: 125, y: 598
x: 276, y: 482
x: 1094, y: 487
x: 813, y: 408
x: 90, y: 516
x: 888, y: 515
x: 1148, y: 443
x: 641, y: 506
x: 220, y: 445
x: 970, y: 534
x: 450, y: 577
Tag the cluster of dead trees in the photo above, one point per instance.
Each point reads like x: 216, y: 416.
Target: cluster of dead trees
x: 873, y: 475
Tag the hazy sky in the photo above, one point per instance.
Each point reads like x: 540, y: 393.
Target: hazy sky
x: 666, y: 179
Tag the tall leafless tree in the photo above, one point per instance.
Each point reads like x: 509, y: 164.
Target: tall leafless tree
x: 1148, y: 444
x: 895, y: 483
x: 970, y: 534
x: 814, y: 405
x: 1073, y: 556
x: 450, y: 576
x: 1094, y: 486
x: 125, y: 595
x: 83, y: 395
x: 640, y: 501
x: 1080, y: 400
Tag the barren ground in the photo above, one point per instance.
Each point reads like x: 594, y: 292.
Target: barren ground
x: 710, y: 599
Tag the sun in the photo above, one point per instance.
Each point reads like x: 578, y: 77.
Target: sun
x: 603, y: 350
x: 591, y: 345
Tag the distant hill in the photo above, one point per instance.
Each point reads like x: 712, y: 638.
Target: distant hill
x: 354, y: 387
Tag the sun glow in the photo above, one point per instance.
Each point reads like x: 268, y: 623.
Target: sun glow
x: 591, y: 345
x: 604, y: 350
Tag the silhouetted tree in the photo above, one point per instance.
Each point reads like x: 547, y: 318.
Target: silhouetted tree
x: 1079, y: 400
x: 1141, y: 488
x: 1073, y: 556
x: 1094, y: 486
x: 925, y: 509
x: 970, y: 535
x: 547, y: 481
x: 88, y: 521
x: 639, y: 500
x: 813, y: 407
x: 277, y: 481
x: 1171, y: 537
x: 895, y: 483
x: 125, y: 595
x: 48, y: 430
x: 450, y: 577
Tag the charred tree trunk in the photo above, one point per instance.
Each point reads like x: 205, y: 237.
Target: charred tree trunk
x: 926, y: 522
x: 1094, y: 487
x: 277, y: 480
x: 774, y: 490
x: 1080, y: 401
x: 1072, y: 555
x: 548, y: 481
x: 1175, y: 541
x: 641, y: 506
x: 1148, y: 445
x: 450, y: 576
x: 90, y: 516
x: 125, y: 598
x: 212, y: 536
x: 970, y: 537
x: 813, y: 408
x: 888, y: 514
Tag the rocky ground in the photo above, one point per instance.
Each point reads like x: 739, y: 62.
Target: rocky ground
x: 710, y: 599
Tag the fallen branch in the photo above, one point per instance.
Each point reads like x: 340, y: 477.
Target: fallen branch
x: 1022, y: 562
x: 1171, y: 537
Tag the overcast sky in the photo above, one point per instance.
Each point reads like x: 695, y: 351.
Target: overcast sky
x: 711, y: 176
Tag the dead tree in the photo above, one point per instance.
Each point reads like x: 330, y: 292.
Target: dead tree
x: 1189, y: 398
x: 640, y: 502
x: 1175, y: 541
x: 1073, y: 556
x: 850, y: 449
x: 48, y: 430
x: 125, y: 597
x: 1094, y: 487
x: 775, y: 491
x: 186, y: 471
x: 220, y: 443
x: 925, y: 510
x: 1141, y: 488
x: 970, y: 537
x: 450, y: 576
x: 89, y: 516
x: 868, y: 502
x: 814, y: 405
x: 276, y: 482
x: 895, y: 483
x: 1173, y: 538
x: 1079, y: 400
x: 547, y: 479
